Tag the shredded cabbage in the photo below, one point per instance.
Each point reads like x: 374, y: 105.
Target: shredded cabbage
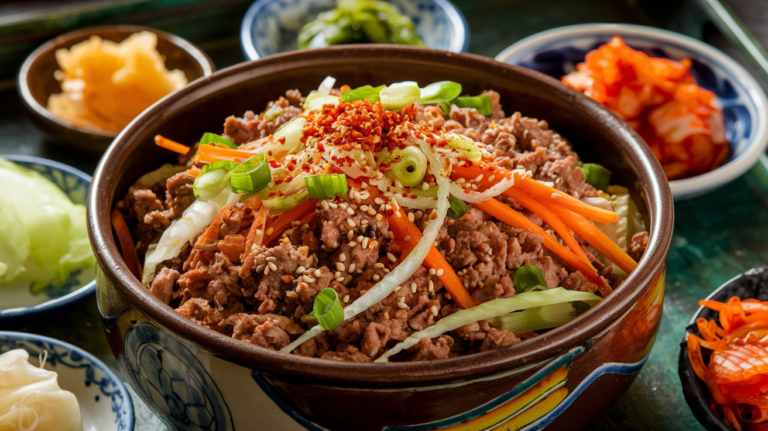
x: 488, y: 310
x: 43, y: 235
x: 548, y: 316
x: 630, y: 222
x: 199, y: 215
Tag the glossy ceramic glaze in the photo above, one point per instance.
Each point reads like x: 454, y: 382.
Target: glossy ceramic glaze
x: 105, y: 404
x: 751, y: 284
x: 546, y: 381
x: 556, y: 52
x: 36, y: 81
x: 17, y: 302
x: 272, y: 26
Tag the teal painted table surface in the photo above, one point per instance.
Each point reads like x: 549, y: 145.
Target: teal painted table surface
x: 717, y: 236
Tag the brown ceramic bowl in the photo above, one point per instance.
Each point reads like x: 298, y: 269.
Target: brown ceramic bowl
x: 36, y: 81
x: 564, y: 379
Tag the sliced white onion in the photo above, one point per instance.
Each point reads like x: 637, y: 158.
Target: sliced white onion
x: 406, y: 268
x: 325, y: 87
x: 474, y: 197
x: 195, y: 218
x: 353, y: 171
x: 598, y: 202
x: 491, y: 309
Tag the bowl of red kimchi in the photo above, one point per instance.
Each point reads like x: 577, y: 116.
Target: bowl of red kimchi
x: 697, y: 109
x: 380, y: 237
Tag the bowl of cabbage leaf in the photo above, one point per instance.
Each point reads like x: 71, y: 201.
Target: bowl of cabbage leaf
x: 46, y: 262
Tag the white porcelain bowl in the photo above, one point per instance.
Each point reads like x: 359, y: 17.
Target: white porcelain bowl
x: 745, y: 107
x: 105, y: 404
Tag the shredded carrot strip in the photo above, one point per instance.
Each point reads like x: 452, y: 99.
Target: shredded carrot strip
x: 595, y: 237
x: 211, y: 233
x: 284, y: 220
x: 409, y: 235
x: 515, y: 219
x: 224, y: 153
x: 550, y: 217
x: 491, y: 175
x: 193, y: 171
x: 171, y: 145
x: 126, y: 243
x: 254, y: 239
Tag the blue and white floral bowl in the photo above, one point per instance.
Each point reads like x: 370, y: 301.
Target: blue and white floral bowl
x: 17, y: 302
x: 105, y: 404
x: 556, y: 52
x: 272, y: 26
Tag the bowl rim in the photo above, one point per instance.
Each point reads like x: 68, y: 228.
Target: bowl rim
x: 699, y: 184
x: 692, y: 385
x: 72, y: 299
x: 119, y: 385
x: 459, y: 43
x: 657, y: 195
x: 22, y: 80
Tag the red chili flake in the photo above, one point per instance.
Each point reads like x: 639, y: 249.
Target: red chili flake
x: 270, y: 153
x: 405, y: 195
x: 281, y: 140
x: 273, y: 194
x: 413, y: 196
x: 321, y: 147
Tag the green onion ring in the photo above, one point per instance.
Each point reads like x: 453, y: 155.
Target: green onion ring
x: 212, y: 138
x: 328, y: 309
x: 326, y: 186
x: 528, y: 278
x: 252, y: 175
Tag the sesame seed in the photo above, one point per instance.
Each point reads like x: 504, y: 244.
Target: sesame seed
x: 295, y: 223
x: 372, y: 244
x: 448, y: 296
x: 271, y: 259
x: 413, y: 287
x: 340, y: 266
x: 378, y: 265
x: 398, y: 288
x: 555, y: 195
x: 402, y: 305
x: 407, y: 238
x: 332, y: 205
x: 364, y: 207
x: 340, y: 279
x: 309, y: 279
x: 365, y: 242
x: 287, y: 278
x: 342, y: 257
x: 351, y: 223
x: 272, y: 266
x: 492, y: 177
x: 343, y: 206
x: 350, y: 235
x: 386, y: 316
x: 318, y: 273
x: 460, y: 181
x: 379, y: 217
x: 351, y: 267
x: 431, y: 286
x: 346, y: 299
x: 359, y: 238
x: 300, y: 269
x: 266, y: 270
x: 398, y: 214
x: 410, y: 217
x: 376, y: 277
x: 304, y: 226
x: 378, y: 201
x: 386, y: 271
x: 324, y: 204
x: 433, y: 215
x: 350, y: 211
x: 291, y: 294
x: 391, y: 257
x: 338, y: 274
x: 434, y: 310
x: 479, y: 178
x: 424, y: 186
x: 432, y: 271
x: 418, y: 215
x: 270, y: 230
x: 353, y: 244
x: 371, y: 212
x: 364, y: 185
x: 440, y: 272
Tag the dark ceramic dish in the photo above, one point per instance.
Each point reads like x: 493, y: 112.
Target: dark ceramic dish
x: 751, y: 284
x: 546, y: 381
x: 36, y: 81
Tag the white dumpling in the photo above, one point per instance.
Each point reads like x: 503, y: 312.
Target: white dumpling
x: 31, y: 399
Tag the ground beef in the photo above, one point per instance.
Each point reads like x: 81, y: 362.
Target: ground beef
x: 347, y: 247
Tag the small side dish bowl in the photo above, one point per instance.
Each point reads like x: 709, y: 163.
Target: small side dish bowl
x: 36, y: 81
x: 556, y: 52
x: 751, y: 284
x: 105, y: 403
x: 16, y: 301
x: 272, y: 26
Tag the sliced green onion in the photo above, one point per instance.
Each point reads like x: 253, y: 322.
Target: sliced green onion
x: 326, y: 186
x: 428, y: 193
x: 309, y: 319
x: 458, y: 207
x: 443, y: 91
x: 398, y: 96
x: 212, y: 138
x: 597, y: 176
x: 328, y: 309
x: 528, y: 278
x: 284, y: 203
x: 292, y: 131
x: 466, y: 146
x: 481, y: 103
x: 489, y: 310
x: 213, y: 178
x: 252, y: 175
x: 365, y: 92
x: 546, y: 317
x: 412, y: 166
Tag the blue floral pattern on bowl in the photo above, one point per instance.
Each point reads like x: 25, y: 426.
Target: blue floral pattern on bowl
x: 557, y: 52
x: 171, y: 379
x: 272, y: 26
x: 104, y: 401
x: 80, y: 285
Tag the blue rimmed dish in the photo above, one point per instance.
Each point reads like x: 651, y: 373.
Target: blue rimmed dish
x: 556, y: 52
x: 272, y: 26
x: 17, y: 302
x: 105, y: 404
x: 751, y: 284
